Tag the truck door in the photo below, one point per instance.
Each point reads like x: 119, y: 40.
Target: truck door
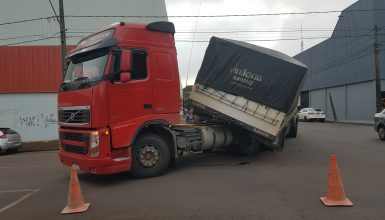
x: 129, y: 101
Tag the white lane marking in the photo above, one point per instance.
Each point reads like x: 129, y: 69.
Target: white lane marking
x: 18, y: 201
x: 19, y: 190
x: 28, y: 166
x: 30, y: 154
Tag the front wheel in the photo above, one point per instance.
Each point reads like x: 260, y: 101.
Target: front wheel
x: 150, y: 156
x: 381, y: 133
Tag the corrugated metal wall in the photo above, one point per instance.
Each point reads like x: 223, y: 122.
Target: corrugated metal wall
x: 361, y: 103
x: 30, y: 58
x: 30, y: 69
x: 339, y: 101
x: 348, y: 56
x: 352, y: 103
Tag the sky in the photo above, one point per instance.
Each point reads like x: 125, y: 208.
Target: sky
x: 266, y: 31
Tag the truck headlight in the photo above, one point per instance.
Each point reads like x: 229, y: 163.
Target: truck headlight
x: 94, y: 140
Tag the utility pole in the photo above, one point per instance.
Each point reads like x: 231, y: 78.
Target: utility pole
x: 63, y: 38
x: 301, y: 38
x: 377, y: 67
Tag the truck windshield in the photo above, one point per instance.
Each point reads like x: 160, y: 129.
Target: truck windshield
x: 84, y: 72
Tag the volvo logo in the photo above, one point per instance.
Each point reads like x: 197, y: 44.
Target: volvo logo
x: 72, y: 116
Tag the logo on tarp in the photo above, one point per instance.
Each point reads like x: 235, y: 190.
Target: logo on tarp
x: 243, y: 77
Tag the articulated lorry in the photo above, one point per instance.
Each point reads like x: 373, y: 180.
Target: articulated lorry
x: 119, y: 103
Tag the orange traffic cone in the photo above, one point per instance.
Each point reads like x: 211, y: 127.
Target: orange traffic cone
x: 335, y: 195
x: 75, y: 199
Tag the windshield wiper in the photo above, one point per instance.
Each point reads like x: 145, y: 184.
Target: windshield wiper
x: 85, y: 81
x: 82, y: 78
x: 65, y: 86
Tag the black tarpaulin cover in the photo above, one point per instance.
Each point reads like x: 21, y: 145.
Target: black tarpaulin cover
x: 259, y: 74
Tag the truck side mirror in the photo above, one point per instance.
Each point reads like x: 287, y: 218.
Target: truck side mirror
x: 125, y: 66
x: 125, y: 77
x: 125, y: 61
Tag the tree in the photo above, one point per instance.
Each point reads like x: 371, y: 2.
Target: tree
x: 186, y: 93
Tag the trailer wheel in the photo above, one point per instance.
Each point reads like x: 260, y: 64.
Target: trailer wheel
x: 279, y: 141
x: 150, y: 156
x: 293, y: 129
x: 248, y: 145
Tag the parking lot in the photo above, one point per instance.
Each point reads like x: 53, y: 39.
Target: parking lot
x: 271, y: 185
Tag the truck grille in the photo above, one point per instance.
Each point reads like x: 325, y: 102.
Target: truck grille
x: 75, y: 149
x: 75, y: 137
x: 74, y: 115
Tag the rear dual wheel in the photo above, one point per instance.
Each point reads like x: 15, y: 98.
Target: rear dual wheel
x: 247, y: 145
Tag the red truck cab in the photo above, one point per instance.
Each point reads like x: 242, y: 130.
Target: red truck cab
x: 122, y: 87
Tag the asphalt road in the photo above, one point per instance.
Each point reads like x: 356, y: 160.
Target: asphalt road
x: 279, y: 185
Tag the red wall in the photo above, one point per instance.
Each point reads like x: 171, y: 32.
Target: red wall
x: 26, y: 69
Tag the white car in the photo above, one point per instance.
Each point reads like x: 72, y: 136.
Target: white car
x: 9, y: 140
x: 311, y: 114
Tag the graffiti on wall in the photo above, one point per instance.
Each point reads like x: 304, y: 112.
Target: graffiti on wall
x: 16, y: 119
x: 38, y: 120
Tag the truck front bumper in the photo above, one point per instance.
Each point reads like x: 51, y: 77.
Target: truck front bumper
x: 105, y: 165
x: 90, y: 151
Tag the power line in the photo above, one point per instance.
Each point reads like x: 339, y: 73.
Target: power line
x: 290, y: 39
x: 195, y: 16
x: 273, y: 31
x: 36, y: 40
x: 195, y: 41
x: 79, y: 31
x: 225, y: 15
x: 28, y: 41
x: 201, y: 32
x: 54, y: 11
x: 18, y: 37
x: 27, y: 20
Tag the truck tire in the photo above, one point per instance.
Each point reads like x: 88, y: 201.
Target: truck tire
x: 293, y: 129
x: 381, y: 132
x: 277, y: 144
x: 150, y: 156
x: 247, y: 145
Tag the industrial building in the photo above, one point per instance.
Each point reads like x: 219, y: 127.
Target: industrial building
x: 341, y: 79
x: 30, y: 54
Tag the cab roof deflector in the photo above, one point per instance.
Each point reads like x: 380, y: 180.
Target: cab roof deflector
x: 161, y: 26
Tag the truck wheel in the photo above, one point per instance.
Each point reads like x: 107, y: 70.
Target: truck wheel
x: 279, y: 142
x: 293, y: 129
x: 150, y: 156
x: 381, y: 133
x: 248, y: 145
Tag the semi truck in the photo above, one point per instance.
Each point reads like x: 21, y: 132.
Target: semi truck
x: 119, y: 102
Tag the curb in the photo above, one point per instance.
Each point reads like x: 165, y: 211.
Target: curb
x: 40, y: 146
